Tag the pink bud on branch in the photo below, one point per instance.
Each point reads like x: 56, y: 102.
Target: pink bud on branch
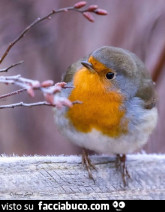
x: 49, y: 90
x: 80, y: 4
x: 47, y: 83
x: 88, y: 16
x: 101, y: 12
x: 61, y: 84
x: 30, y: 91
x: 49, y: 98
x: 91, y: 8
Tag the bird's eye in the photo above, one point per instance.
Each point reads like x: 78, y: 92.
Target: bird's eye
x: 110, y: 75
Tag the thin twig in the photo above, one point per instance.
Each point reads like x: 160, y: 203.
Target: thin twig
x: 20, y: 81
x: 12, y: 66
x: 47, y: 88
x: 85, y: 12
x: 22, y: 104
x: 12, y: 93
x: 38, y: 20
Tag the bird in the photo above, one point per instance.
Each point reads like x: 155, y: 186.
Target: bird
x: 117, y: 109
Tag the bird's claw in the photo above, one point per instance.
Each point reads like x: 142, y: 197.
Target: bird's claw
x: 120, y: 164
x: 87, y: 163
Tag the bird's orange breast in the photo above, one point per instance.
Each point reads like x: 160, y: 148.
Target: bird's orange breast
x: 101, y: 109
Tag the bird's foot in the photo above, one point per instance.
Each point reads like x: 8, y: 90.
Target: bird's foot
x: 87, y: 163
x: 120, y: 164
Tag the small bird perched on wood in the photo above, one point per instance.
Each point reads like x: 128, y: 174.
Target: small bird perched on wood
x: 117, y: 111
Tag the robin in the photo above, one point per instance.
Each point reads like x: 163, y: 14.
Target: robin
x: 118, y: 105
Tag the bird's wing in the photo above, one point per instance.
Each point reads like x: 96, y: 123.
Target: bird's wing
x: 146, y: 88
x: 147, y: 94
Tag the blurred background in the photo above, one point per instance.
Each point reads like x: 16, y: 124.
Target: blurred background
x: 50, y: 47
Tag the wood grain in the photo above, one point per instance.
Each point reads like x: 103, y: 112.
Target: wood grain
x: 64, y: 177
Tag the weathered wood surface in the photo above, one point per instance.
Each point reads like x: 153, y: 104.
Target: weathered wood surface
x: 62, y: 177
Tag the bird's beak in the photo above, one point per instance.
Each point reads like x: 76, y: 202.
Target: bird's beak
x: 87, y: 65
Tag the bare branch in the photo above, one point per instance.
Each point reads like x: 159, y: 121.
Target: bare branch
x: 20, y: 81
x: 12, y: 93
x: 48, y: 89
x: 12, y: 66
x: 22, y: 104
x: 53, y: 12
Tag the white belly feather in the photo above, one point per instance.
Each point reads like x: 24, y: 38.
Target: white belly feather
x: 144, y: 121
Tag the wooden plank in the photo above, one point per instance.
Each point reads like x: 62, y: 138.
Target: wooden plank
x: 64, y: 177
